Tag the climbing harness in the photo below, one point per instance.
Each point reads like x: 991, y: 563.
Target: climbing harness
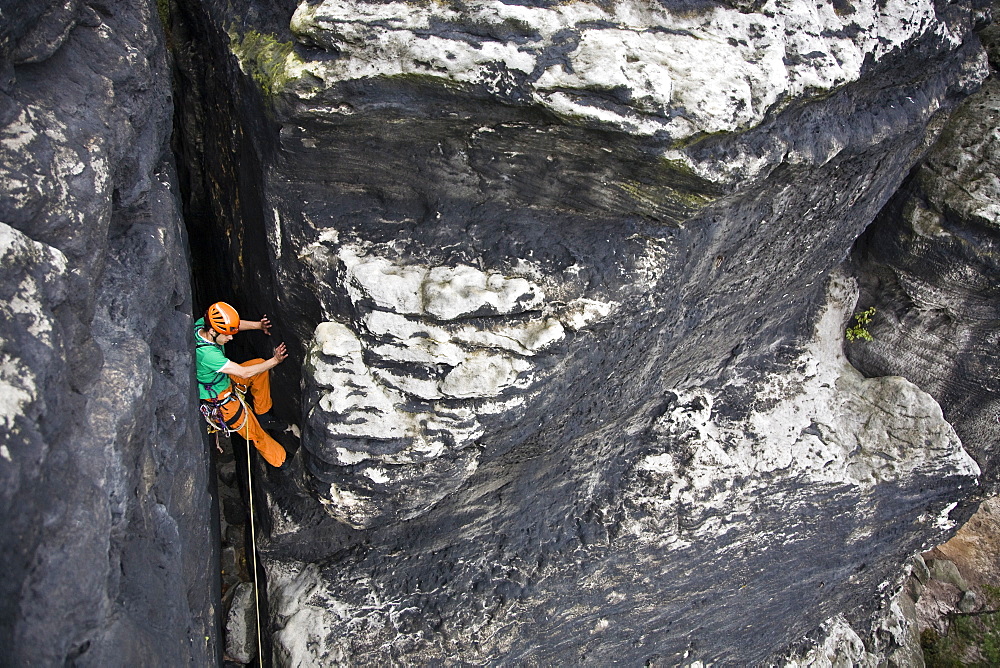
x: 211, y: 410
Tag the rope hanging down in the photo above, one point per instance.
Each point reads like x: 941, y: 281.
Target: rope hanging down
x: 212, y: 412
x: 253, y: 542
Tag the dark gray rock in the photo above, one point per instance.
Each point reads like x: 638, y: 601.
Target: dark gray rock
x: 928, y: 265
x: 107, y: 538
x: 227, y: 473
x: 241, y: 625
x: 571, y: 369
x: 228, y: 562
x: 560, y: 282
x: 233, y: 510
x: 233, y: 535
x: 48, y: 31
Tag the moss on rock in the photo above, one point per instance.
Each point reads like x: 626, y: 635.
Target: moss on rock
x: 264, y: 59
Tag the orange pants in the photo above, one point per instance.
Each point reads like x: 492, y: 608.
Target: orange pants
x: 246, y: 425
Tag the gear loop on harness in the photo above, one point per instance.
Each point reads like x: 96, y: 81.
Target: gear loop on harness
x: 211, y: 410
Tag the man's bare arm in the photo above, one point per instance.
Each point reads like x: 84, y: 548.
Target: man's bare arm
x: 264, y: 325
x: 234, y: 369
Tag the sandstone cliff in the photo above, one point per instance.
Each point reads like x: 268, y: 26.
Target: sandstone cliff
x: 929, y: 266
x: 562, y: 281
x: 565, y: 286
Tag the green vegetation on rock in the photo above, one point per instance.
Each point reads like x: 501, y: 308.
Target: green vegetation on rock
x: 263, y: 58
x: 163, y: 11
x: 972, y: 639
x: 672, y: 193
x: 859, y: 330
x: 664, y: 203
x: 418, y: 79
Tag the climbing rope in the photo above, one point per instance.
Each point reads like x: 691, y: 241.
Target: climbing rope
x: 212, y: 412
x: 253, y: 542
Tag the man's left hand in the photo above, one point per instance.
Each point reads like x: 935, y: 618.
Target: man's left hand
x: 265, y: 325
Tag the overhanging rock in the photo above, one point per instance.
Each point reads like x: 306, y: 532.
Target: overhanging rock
x: 771, y: 492
x: 554, y: 273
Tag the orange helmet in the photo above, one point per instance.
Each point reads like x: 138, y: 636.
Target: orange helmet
x: 223, y: 318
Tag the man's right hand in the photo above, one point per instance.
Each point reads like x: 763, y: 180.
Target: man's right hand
x: 280, y: 353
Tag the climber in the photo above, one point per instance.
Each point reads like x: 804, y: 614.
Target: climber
x: 222, y: 383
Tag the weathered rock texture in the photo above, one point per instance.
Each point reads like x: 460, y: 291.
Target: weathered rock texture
x: 241, y: 625
x: 558, y: 277
x: 106, y: 533
x: 929, y: 266
x: 961, y: 573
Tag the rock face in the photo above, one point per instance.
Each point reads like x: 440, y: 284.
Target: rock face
x: 562, y: 281
x: 929, y: 267
x: 641, y: 67
x: 960, y: 573
x: 724, y: 499
x: 106, y: 541
x: 396, y: 413
x: 241, y: 625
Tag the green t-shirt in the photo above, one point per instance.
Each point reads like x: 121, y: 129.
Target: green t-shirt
x: 208, y: 359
